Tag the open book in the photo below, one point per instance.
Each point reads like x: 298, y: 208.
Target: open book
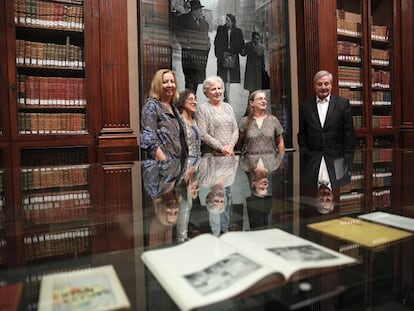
x: 208, y: 269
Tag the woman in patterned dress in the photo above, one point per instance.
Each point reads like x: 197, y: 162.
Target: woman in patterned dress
x: 187, y: 105
x: 162, y: 129
x: 260, y: 132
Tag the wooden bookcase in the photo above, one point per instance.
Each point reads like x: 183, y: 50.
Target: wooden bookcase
x: 359, y: 42
x: 64, y: 111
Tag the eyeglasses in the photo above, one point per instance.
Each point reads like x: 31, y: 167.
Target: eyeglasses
x: 260, y: 98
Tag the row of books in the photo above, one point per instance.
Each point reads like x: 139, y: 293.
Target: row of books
x: 53, y: 207
x: 350, y: 24
x: 49, y: 14
x: 350, y: 203
x: 51, y: 91
x: 355, y: 96
x: 54, y: 177
x: 349, y: 51
x: 380, y: 57
x: 381, y: 98
x: 349, y: 76
x: 348, y: 28
x: 52, y: 123
x: 44, y: 245
x: 381, y: 79
x: 382, y: 179
x: 33, y: 53
x: 379, y: 33
x: 358, y: 121
x: 359, y: 156
x: 55, y: 215
x: 382, y: 155
x: 382, y: 121
x: 357, y: 182
x: 381, y: 199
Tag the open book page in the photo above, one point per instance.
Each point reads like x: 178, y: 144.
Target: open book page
x: 284, y: 252
x: 397, y: 221
x: 208, y: 269
x: 202, y: 271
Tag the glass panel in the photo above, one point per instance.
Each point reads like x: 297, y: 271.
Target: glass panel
x: 194, y: 44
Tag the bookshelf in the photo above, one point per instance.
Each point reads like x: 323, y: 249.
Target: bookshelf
x: 50, y: 68
x: 64, y: 107
x: 360, y: 45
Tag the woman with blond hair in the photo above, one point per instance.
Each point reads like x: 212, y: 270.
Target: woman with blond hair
x: 162, y: 131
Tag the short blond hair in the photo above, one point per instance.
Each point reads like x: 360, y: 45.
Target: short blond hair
x: 156, y: 84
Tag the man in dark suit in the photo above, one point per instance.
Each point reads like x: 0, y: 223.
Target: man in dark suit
x: 192, y: 34
x: 325, y: 121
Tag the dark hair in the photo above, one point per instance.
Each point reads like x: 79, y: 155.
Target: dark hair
x: 232, y: 18
x: 255, y: 33
x: 181, y: 99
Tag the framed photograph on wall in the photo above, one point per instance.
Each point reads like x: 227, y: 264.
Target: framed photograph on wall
x: 245, y: 42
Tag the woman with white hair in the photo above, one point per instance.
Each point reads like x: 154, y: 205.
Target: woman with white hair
x: 216, y: 120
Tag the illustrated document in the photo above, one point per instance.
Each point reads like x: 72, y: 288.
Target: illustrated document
x: 94, y: 289
x: 208, y: 269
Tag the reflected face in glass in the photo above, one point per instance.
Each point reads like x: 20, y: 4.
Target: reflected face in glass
x: 323, y: 87
x: 261, y: 186
x: 259, y: 101
x: 215, y: 92
x: 168, y: 85
x: 215, y: 199
x: 190, y: 103
x: 325, y: 200
x: 171, y: 207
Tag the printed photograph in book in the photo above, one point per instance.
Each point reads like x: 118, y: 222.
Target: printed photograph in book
x: 244, y: 42
x: 209, y: 269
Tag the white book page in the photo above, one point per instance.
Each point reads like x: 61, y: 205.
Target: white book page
x: 202, y: 271
x: 283, y: 252
x: 390, y: 219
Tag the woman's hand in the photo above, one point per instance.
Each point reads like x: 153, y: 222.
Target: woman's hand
x: 228, y: 150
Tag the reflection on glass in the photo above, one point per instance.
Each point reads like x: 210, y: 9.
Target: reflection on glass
x: 321, y: 173
x: 259, y: 168
x: 171, y: 186
x: 217, y: 174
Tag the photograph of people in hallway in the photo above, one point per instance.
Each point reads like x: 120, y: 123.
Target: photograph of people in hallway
x: 245, y: 42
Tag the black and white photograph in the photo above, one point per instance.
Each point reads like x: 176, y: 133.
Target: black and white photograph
x: 301, y: 253
x: 222, y: 274
x: 230, y: 39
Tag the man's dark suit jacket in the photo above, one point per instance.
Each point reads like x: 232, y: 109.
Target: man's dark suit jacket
x: 339, y: 165
x: 337, y: 132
